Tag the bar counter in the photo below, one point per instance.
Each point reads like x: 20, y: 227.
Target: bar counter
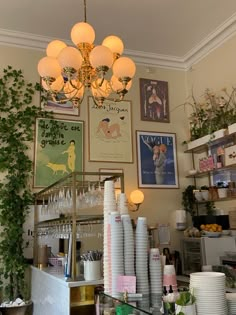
x: 52, y: 294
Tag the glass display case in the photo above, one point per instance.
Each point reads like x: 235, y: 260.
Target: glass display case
x: 147, y: 304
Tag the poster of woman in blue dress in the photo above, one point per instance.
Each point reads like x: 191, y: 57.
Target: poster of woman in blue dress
x: 157, y: 162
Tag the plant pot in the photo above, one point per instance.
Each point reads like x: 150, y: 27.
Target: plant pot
x: 17, y: 310
x: 187, y: 309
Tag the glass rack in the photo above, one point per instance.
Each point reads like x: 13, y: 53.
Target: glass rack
x: 61, y: 204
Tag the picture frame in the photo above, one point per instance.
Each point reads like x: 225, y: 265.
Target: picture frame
x: 58, y: 149
x: 154, y: 100
x: 64, y: 108
x: 117, y: 184
x: 157, y: 160
x: 110, y: 131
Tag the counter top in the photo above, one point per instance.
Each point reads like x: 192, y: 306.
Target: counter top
x: 57, y: 273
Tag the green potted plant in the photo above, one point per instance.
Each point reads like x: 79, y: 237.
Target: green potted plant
x: 185, y: 304
x: 16, y: 135
x: 188, y: 200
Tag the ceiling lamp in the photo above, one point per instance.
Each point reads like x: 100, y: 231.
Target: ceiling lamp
x: 67, y: 71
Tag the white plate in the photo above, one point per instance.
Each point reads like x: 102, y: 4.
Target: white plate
x: 212, y: 234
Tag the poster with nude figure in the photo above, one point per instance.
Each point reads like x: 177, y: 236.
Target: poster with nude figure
x: 110, y: 131
x: 58, y: 150
x: 154, y: 100
x: 157, y: 161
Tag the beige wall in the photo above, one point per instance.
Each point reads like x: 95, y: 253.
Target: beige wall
x: 216, y: 70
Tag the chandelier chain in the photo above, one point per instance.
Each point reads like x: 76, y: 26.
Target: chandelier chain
x: 85, y: 12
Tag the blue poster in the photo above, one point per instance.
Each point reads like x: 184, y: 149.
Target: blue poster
x: 157, y: 163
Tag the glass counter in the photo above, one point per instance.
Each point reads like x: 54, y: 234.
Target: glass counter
x: 147, y: 304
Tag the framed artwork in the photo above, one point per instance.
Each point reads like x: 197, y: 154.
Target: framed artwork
x: 154, y: 100
x: 110, y: 131
x: 157, y: 161
x: 111, y: 170
x: 58, y: 149
x: 62, y: 108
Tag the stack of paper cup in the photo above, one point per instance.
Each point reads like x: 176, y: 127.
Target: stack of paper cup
x: 169, y: 277
x: 117, y: 254
x: 109, y: 206
x: 155, y: 270
x: 122, y: 203
x: 128, y: 245
x: 141, y: 239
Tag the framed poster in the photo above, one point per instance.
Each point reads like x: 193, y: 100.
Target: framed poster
x: 110, y: 131
x: 157, y: 161
x: 58, y: 149
x: 154, y: 100
x: 60, y: 107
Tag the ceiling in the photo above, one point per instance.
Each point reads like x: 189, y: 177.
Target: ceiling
x: 172, y: 33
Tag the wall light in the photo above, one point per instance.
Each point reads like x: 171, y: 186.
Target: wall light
x: 136, y: 198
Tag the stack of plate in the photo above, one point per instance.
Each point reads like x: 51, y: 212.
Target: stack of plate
x: 209, y: 290
x: 231, y: 302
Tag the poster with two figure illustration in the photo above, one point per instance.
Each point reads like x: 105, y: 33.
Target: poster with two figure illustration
x: 157, y: 161
x: 58, y: 150
x: 110, y: 131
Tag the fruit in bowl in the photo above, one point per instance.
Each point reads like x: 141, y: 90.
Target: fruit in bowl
x: 211, y: 230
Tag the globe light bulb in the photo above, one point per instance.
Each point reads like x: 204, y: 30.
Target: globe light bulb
x: 49, y: 67
x: 70, y: 57
x: 82, y: 33
x: 55, y: 86
x: 114, y: 43
x: 101, y: 56
x: 54, y: 48
x: 124, y: 67
x: 137, y: 197
x: 101, y: 91
x: 118, y: 86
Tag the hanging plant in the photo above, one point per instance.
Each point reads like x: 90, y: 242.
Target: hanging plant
x: 17, y: 123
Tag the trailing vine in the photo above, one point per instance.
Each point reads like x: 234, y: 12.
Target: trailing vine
x: 17, y: 123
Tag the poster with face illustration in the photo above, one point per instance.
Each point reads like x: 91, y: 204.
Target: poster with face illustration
x: 110, y: 131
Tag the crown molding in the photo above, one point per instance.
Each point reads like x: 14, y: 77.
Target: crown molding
x: 215, y: 39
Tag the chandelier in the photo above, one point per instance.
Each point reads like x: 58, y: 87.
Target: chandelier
x: 67, y: 72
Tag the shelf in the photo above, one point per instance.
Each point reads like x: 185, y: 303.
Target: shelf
x: 98, y: 219
x: 214, y: 171
x: 216, y: 200
x: 204, y: 147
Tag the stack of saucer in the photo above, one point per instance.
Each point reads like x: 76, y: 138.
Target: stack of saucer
x: 141, y: 238
x: 108, y: 206
x: 209, y: 290
x: 155, y: 270
x: 128, y: 245
x: 117, y: 249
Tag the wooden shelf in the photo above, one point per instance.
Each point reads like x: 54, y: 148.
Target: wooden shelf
x: 204, y: 147
x: 214, y: 171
